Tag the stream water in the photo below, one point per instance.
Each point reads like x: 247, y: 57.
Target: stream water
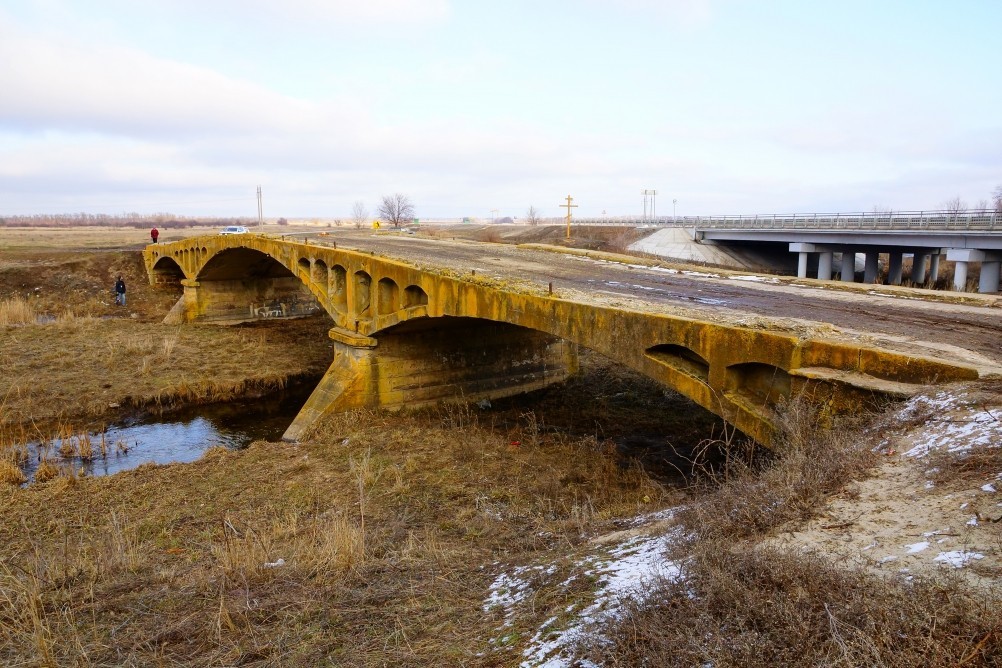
x: 182, y: 436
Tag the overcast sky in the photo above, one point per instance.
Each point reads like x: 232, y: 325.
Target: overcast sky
x: 728, y: 106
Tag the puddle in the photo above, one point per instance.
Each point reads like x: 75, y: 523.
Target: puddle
x: 181, y: 436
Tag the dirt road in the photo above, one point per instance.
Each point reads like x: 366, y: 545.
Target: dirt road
x: 914, y: 320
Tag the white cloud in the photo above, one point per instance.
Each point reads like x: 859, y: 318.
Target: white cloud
x: 688, y: 12
x: 306, y: 13
x: 92, y: 87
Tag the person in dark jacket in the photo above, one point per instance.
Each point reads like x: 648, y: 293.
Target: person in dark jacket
x: 120, y: 291
x: 154, y: 234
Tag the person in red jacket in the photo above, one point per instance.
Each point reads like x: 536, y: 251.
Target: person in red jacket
x: 154, y: 234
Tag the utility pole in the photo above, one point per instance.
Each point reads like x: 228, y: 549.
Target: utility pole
x: 494, y: 213
x: 652, y: 194
x: 260, y: 212
x: 569, y: 206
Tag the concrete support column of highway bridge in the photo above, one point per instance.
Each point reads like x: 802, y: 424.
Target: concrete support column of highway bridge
x: 848, y: 273
x: 990, y: 276
x: 991, y: 261
x: 804, y: 251
x: 934, y: 266
x: 894, y: 268
x: 872, y: 267
x: 825, y: 265
x: 918, y: 267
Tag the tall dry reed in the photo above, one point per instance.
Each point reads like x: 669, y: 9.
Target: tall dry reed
x: 17, y: 311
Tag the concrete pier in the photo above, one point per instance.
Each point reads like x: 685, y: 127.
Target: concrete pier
x: 934, y: 267
x: 918, y: 268
x: 848, y: 272
x: 990, y: 262
x: 825, y: 266
x: 894, y: 268
x: 872, y: 267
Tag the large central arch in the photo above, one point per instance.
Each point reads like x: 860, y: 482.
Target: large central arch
x: 392, y: 320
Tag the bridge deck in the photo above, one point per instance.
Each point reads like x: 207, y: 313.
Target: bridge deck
x: 941, y: 325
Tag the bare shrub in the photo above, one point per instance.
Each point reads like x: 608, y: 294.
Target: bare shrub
x: 976, y: 463
x: 810, y: 463
x: 489, y: 235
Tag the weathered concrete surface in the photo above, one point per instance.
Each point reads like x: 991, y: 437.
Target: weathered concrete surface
x: 737, y: 372
x: 428, y: 361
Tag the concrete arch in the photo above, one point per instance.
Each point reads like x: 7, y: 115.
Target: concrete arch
x: 681, y: 360
x: 414, y: 296
x: 361, y: 293
x: 339, y: 289
x: 388, y: 296
x: 320, y: 275
x: 761, y: 385
x: 167, y: 272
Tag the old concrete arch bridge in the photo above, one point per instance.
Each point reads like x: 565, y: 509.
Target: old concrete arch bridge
x: 404, y: 335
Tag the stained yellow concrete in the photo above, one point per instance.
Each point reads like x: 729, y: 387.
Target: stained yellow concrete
x: 735, y: 372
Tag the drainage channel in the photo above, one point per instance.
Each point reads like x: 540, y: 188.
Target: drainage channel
x: 180, y: 436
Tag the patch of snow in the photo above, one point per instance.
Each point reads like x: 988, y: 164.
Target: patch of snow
x: 990, y: 488
x: 958, y: 558
x: 929, y: 534
x: 917, y: 547
x: 929, y: 484
x: 651, y: 518
x: 890, y: 557
x: 621, y: 572
x: 755, y: 279
x: 968, y: 426
x: 973, y: 522
x: 507, y: 591
x: 622, y: 576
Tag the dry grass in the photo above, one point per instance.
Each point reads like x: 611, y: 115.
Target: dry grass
x: 981, y: 462
x: 744, y: 605
x: 746, y: 498
x: 17, y: 311
x: 10, y: 473
x: 769, y: 608
x: 490, y: 235
x: 366, y: 547
x: 118, y: 365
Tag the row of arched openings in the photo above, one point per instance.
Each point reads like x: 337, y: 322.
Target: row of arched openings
x: 365, y: 300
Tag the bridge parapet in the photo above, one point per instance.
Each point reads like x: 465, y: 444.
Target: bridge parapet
x: 405, y: 335
x: 950, y: 221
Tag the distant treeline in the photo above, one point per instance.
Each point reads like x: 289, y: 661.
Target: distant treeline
x: 162, y: 220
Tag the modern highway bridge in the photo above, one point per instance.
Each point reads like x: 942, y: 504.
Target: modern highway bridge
x: 409, y: 332
x: 822, y: 239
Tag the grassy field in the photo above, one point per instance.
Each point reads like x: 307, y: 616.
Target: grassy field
x: 382, y: 539
x: 92, y: 368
